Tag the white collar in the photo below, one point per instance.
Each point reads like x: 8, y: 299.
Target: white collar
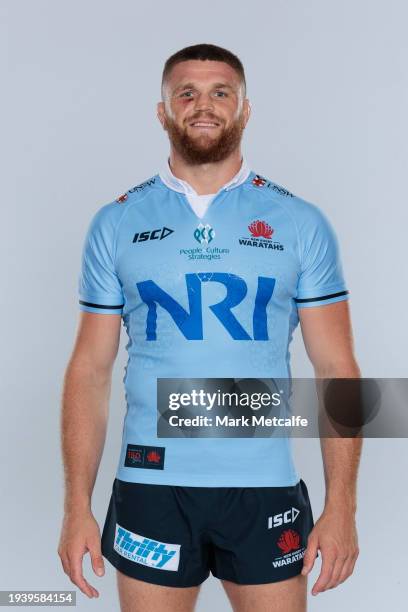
x: 173, y: 182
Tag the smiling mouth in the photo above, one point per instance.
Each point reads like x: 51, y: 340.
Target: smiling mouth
x: 204, y: 124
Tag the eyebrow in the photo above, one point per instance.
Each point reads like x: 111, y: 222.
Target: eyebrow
x: 192, y: 85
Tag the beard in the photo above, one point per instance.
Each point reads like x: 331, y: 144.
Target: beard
x: 205, y: 149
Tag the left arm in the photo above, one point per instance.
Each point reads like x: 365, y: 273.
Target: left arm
x: 327, y: 335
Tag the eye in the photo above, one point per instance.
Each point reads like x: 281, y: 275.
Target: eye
x: 185, y: 93
x: 223, y: 93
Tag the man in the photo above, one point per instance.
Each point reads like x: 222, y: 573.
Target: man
x: 211, y: 266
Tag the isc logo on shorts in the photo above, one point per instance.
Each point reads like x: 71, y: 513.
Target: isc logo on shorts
x: 289, y: 516
x: 145, y: 551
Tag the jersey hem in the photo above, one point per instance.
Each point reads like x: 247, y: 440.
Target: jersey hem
x: 208, y: 480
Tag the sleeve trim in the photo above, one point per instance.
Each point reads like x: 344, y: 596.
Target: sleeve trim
x: 91, y: 305
x: 323, y: 297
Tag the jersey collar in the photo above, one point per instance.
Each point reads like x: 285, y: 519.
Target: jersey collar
x: 177, y: 184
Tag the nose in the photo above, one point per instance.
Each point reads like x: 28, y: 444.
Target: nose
x: 204, y: 102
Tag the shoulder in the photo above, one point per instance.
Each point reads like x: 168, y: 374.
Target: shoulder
x: 109, y: 214
x: 300, y: 210
x: 139, y: 191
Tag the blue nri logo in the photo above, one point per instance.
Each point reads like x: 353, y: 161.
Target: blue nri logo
x: 191, y: 323
x: 145, y: 551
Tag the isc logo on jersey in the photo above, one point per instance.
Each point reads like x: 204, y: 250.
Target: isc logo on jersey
x: 145, y: 551
x: 289, y: 516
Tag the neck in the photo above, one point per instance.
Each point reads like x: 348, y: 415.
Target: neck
x: 206, y: 178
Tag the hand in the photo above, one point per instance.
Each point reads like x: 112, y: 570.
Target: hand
x: 336, y: 535
x: 80, y: 533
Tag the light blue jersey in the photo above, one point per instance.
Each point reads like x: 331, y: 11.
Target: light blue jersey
x: 215, y: 297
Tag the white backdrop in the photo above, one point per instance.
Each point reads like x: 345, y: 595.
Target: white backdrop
x: 327, y: 82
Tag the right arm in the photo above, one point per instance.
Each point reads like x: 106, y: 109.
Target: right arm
x: 84, y: 417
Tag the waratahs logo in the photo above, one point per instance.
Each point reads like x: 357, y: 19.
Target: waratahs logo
x: 261, y: 234
x: 260, y: 229
x: 204, y: 234
x: 145, y: 551
x: 153, y: 457
x: 289, y: 540
x: 291, y: 549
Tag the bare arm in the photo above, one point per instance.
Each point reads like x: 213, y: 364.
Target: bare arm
x: 84, y: 416
x: 328, y: 341
x: 327, y: 335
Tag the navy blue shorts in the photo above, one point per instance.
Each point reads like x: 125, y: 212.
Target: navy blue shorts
x: 175, y: 536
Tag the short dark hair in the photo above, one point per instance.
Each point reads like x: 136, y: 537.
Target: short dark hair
x: 204, y: 52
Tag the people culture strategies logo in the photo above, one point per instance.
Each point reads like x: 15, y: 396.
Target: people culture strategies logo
x: 143, y: 550
x: 290, y: 548
x: 261, y: 236
x: 204, y: 234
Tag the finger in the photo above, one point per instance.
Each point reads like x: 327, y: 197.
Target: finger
x: 97, y: 559
x: 77, y: 577
x: 348, y: 568
x: 328, y: 563
x: 345, y: 572
x: 337, y: 571
x: 65, y: 563
x: 309, y: 556
x: 84, y: 585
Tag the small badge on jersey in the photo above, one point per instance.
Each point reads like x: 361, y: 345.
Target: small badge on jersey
x: 258, y: 181
x: 139, y: 456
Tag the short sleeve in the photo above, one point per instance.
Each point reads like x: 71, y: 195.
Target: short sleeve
x: 99, y: 287
x: 321, y: 279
